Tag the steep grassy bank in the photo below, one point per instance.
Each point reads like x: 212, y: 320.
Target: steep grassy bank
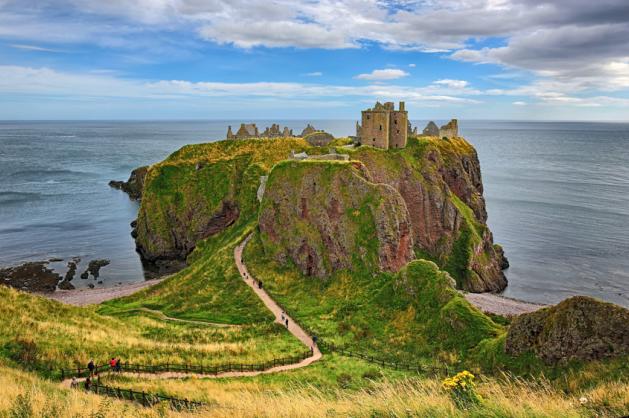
x: 38, y: 333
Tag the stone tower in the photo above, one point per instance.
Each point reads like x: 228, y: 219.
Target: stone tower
x: 383, y: 126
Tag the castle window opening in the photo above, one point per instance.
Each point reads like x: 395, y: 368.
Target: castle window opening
x: 380, y: 127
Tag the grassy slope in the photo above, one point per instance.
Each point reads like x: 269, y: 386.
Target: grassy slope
x: 339, y: 386
x: 406, y: 316
x: 37, y: 332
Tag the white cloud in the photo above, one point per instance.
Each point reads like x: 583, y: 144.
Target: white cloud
x: 314, y: 74
x: 519, y: 103
x: 34, y: 48
x: 384, y: 74
x: 455, y: 84
x: 412, y: 65
x: 27, y: 81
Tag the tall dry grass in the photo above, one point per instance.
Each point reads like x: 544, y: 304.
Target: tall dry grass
x: 416, y: 397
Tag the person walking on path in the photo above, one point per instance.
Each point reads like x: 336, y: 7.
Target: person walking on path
x: 314, y: 339
x: 88, y: 383
x: 91, y: 367
x: 112, y: 364
x: 286, y: 322
x: 260, y: 284
x: 74, y: 383
x: 118, y: 365
x: 282, y: 316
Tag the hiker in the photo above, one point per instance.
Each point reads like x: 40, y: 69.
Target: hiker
x: 282, y: 316
x: 74, y: 384
x: 112, y: 364
x: 91, y: 367
x: 260, y: 284
x: 286, y: 322
x: 88, y: 383
x: 314, y: 339
x: 118, y: 365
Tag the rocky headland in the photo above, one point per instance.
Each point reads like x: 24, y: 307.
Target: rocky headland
x: 424, y: 201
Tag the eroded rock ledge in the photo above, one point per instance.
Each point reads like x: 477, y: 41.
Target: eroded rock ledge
x: 328, y: 215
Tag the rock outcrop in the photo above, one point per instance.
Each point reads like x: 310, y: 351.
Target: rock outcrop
x: 133, y: 187
x: 441, y: 185
x: 31, y: 276
x: 326, y: 216
x: 579, y: 328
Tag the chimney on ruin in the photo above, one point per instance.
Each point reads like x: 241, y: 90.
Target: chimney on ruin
x: 402, y: 107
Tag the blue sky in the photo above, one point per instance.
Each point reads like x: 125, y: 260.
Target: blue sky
x: 219, y: 59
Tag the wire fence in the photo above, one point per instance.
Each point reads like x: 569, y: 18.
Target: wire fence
x: 146, y: 399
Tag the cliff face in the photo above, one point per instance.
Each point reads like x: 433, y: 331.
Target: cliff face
x: 133, y: 187
x: 325, y: 216
x: 441, y: 185
x: 199, y: 191
x: 579, y: 328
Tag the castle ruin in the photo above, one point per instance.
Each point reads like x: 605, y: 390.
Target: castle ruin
x: 449, y: 130
x: 316, y: 137
x: 384, y: 127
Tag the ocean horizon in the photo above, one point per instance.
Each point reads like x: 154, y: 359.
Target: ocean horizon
x: 557, y: 195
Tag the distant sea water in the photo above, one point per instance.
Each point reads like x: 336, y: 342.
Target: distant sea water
x: 557, y: 196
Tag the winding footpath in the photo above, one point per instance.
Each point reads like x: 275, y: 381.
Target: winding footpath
x: 293, y: 328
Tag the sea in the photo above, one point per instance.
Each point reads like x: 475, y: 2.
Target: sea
x: 557, y: 196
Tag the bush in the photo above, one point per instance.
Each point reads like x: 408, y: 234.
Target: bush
x: 462, y: 389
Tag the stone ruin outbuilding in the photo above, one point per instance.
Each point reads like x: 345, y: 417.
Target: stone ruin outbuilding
x: 449, y: 130
x: 384, y: 127
x: 246, y: 130
x: 315, y: 137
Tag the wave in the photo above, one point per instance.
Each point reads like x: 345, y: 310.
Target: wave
x: 18, y: 197
x: 49, y: 175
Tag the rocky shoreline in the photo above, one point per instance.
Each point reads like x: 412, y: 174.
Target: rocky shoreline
x: 39, y: 276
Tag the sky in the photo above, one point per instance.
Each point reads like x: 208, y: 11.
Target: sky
x: 314, y: 59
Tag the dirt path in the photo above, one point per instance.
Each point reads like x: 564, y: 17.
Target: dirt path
x: 293, y: 328
x: 164, y: 317
x: 496, y: 304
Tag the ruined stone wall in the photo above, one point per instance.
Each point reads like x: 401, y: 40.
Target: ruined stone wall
x: 450, y: 130
x: 398, y: 129
x: 375, y: 129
